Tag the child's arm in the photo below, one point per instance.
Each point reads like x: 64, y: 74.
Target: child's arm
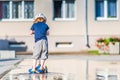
x: 47, y: 32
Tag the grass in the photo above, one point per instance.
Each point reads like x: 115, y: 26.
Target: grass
x: 96, y: 52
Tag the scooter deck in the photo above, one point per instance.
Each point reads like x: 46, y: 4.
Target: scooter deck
x: 38, y: 70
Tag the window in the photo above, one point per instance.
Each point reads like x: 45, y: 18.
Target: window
x: 107, y: 74
x: 64, y: 9
x: 4, y: 10
x: 28, y: 10
x: 10, y: 10
x: 106, y: 9
x: 16, y: 9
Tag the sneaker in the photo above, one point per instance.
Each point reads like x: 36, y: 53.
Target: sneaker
x: 41, y: 71
x: 35, y: 71
x: 37, y: 67
x: 32, y: 72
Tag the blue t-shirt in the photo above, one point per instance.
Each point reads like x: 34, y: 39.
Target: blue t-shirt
x: 40, y: 30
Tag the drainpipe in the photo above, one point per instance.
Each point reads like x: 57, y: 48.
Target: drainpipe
x: 86, y: 24
x: 86, y: 34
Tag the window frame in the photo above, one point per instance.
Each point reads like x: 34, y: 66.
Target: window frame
x: 106, y: 12
x: 65, y: 18
x: 22, y: 18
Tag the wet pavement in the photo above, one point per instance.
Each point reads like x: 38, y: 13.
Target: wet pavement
x: 7, y: 64
x: 60, y: 67
x: 26, y: 76
x: 57, y: 72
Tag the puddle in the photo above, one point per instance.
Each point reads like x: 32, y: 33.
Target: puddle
x: 46, y: 76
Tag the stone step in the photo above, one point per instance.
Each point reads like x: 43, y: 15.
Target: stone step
x: 7, y: 54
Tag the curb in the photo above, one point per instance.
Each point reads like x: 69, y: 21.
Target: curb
x: 7, y: 69
x: 56, y: 53
x: 5, y: 72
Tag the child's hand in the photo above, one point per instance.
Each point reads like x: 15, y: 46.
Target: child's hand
x: 32, y: 32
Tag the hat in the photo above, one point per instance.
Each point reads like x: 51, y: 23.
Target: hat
x: 40, y: 15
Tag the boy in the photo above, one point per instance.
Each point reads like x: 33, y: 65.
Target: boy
x: 40, y: 30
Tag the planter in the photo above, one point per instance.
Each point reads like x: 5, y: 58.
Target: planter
x: 110, y: 49
x: 114, y: 49
x: 103, y: 49
x: 109, y: 45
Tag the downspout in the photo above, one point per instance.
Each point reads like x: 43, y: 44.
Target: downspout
x: 86, y: 34
x: 86, y: 24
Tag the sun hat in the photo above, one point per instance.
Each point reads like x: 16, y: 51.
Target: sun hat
x: 40, y: 15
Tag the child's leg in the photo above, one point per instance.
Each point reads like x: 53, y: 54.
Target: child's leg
x: 44, y: 54
x: 36, y: 54
x: 42, y: 64
x: 34, y: 64
x: 39, y: 63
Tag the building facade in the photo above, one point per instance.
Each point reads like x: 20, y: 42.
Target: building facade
x: 74, y: 24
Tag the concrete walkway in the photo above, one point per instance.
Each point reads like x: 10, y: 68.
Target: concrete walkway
x: 6, y: 65
x: 63, y: 67
x: 56, y: 69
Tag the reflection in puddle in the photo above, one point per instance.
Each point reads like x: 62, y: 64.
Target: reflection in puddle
x: 47, y: 76
x: 106, y: 74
